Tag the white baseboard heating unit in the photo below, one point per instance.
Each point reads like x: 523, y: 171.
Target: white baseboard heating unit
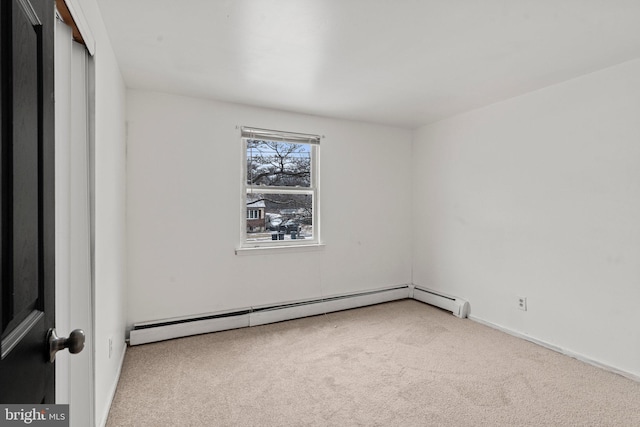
x: 459, y: 307
x: 147, y: 332
x: 161, y: 330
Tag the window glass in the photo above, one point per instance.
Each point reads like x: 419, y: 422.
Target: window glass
x: 280, y: 164
x: 286, y: 216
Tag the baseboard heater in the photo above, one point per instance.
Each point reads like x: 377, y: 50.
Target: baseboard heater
x: 457, y: 306
x: 147, y: 332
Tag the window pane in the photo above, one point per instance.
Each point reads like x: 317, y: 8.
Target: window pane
x: 282, y: 164
x: 283, y: 217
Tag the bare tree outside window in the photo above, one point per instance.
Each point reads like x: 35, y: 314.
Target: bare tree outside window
x: 279, y: 164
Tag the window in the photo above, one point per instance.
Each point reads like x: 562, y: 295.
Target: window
x: 280, y: 188
x: 253, y: 214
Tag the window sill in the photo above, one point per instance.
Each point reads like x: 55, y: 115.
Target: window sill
x: 280, y: 249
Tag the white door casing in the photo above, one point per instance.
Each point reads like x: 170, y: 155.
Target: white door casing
x: 74, y: 373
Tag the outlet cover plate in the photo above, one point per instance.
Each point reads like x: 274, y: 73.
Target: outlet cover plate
x: 522, y: 303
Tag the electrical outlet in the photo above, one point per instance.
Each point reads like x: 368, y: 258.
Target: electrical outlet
x: 522, y: 303
x: 110, y: 347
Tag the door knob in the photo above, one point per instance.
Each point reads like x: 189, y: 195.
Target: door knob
x: 75, y: 342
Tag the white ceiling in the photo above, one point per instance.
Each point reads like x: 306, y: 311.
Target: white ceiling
x: 399, y: 62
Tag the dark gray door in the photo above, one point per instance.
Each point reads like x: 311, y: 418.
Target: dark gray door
x: 27, y: 200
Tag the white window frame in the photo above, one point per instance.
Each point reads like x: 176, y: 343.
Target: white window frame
x: 314, y: 189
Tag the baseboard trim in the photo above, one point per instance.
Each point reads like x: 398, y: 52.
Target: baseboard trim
x: 114, y: 387
x: 557, y: 349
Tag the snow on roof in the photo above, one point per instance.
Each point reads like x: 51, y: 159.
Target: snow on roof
x: 255, y: 201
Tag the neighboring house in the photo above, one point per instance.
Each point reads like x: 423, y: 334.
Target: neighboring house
x: 255, y: 215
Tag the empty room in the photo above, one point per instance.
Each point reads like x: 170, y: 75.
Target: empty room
x: 316, y: 212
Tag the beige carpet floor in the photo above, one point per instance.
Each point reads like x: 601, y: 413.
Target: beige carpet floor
x: 397, y: 364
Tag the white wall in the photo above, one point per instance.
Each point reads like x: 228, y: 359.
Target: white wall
x: 183, y: 207
x: 539, y: 196
x: 110, y: 238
